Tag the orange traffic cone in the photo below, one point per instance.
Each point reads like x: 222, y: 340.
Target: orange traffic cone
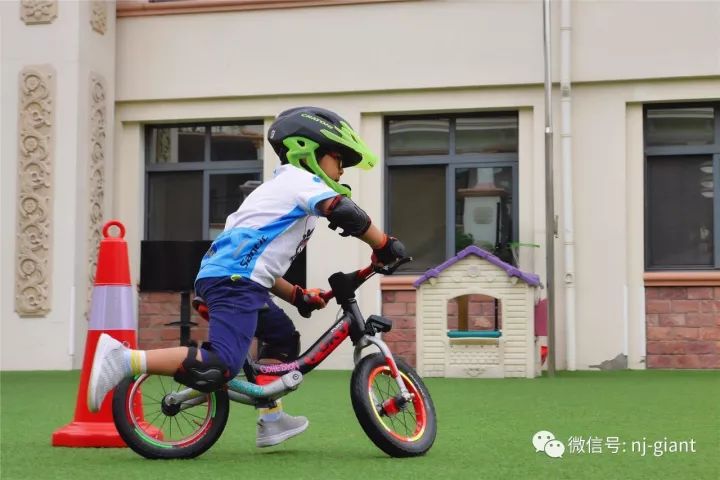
x: 111, y: 312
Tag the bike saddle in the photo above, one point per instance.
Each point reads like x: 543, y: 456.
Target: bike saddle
x: 198, y: 303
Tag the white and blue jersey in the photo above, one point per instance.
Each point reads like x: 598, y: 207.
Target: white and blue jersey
x: 271, y: 227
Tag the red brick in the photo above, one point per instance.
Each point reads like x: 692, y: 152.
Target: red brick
x: 710, y: 306
x: 403, y: 323
x: 700, y: 293
x: 400, y: 336
x: 672, y: 333
x: 717, y: 293
x: 709, y: 333
x: 700, y: 320
x: 391, y: 309
x: 685, y: 306
x: 666, y: 348
x: 660, y: 361
x: 701, y: 347
x: 405, y: 296
x: 689, y: 361
x: 671, y: 319
x: 452, y: 307
x: 652, y: 293
x: 657, y: 306
x: 388, y: 296
x: 652, y: 319
x: 411, y: 307
x: 672, y: 293
x: 163, y: 297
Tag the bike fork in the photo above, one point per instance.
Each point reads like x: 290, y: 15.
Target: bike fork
x: 366, y: 341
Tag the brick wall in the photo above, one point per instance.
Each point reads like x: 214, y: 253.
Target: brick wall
x: 683, y: 327
x: 156, y: 310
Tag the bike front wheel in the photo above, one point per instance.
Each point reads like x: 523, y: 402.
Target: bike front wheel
x: 398, y: 428
x: 158, y: 431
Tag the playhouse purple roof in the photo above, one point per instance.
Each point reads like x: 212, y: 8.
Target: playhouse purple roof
x: 529, y: 278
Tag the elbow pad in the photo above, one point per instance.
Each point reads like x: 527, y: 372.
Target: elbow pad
x: 345, y: 213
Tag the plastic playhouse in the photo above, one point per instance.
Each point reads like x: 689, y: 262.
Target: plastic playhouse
x: 508, y: 348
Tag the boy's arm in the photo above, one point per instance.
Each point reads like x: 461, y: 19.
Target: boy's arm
x: 283, y: 289
x: 304, y: 300
x: 386, y: 249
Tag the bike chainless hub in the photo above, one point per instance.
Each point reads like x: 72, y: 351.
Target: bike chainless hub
x: 170, y: 409
x: 392, y: 406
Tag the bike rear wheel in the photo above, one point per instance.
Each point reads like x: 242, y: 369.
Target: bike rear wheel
x: 399, y: 430
x: 156, y: 431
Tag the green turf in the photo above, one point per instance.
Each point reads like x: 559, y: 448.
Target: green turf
x: 484, y: 431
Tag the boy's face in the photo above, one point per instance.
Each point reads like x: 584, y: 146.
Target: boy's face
x: 331, y: 164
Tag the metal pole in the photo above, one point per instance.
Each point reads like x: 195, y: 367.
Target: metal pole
x: 550, y: 224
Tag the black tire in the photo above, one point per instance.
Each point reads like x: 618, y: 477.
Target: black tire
x: 141, y: 422
x: 409, y: 432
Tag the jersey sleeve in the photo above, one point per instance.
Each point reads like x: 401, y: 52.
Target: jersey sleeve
x: 311, y: 192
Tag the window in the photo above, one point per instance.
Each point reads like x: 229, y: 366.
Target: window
x: 197, y: 175
x: 451, y: 183
x: 682, y: 189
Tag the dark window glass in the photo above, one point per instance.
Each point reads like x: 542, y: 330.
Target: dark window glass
x: 417, y: 212
x: 680, y: 126
x: 486, y: 135
x: 191, y: 144
x: 227, y: 192
x: 483, y: 209
x: 419, y: 137
x: 680, y: 210
x: 173, y: 145
x: 175, y: 206
x: 236, y: 142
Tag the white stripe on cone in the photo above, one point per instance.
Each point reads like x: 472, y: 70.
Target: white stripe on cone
x: 112, y: 308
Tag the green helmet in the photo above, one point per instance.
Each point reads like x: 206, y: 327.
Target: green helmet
x: 301, y: 136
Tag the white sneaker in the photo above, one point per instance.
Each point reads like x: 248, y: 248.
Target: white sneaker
x: 108, y: 369
x: 271, y: 433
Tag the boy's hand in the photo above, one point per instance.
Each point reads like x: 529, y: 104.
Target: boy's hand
x: 389, y: 251
x: 307, y: 300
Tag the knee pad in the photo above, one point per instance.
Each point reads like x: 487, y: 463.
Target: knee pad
x: 206, y: 375
x: 285, y: 351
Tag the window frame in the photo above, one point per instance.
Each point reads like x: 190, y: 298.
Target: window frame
x: 207, y: 166
x: 712, y: 150
x: 452, y: 161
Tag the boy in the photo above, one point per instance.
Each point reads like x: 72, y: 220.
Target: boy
x: 247, y: 261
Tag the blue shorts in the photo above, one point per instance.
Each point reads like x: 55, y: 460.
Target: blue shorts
x: 240, y: 310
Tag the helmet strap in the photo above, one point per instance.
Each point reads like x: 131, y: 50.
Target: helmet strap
x: 301, y: 154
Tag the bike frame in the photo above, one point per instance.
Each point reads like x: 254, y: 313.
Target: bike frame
x: 351, y: 324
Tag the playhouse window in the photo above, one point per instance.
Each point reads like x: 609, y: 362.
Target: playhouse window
x: 474, y: 316
x: 452, y: 182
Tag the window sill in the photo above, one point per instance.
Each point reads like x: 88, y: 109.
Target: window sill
x: 682, y: 279
x: 399, y: 282
x: 135, y: 8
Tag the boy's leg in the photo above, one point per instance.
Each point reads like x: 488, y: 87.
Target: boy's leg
x: 278, y: 343
x: 233, y: 309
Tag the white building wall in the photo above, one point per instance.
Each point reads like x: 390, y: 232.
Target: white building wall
x: 73, y: 49
x: 367, y: 61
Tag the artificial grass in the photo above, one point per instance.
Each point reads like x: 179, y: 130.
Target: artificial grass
x: 484, y: 431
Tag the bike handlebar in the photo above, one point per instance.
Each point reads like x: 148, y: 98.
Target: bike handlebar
x: 367, y: 272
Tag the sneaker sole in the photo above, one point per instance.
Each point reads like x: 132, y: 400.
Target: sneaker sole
x: 100, y: 349
x: 269, y: 442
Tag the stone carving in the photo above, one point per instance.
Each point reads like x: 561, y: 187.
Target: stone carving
x: 36, y: 128
x: 98, y: 17
x: 35, y: 12
x: 96, y: 171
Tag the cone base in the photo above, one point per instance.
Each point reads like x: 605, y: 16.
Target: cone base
x: 87, y: 434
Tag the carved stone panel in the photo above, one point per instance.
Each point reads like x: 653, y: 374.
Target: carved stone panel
x: 99, y: 16
x: 96, y: 171
x: 36, y: 128
x: 34, y: 12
